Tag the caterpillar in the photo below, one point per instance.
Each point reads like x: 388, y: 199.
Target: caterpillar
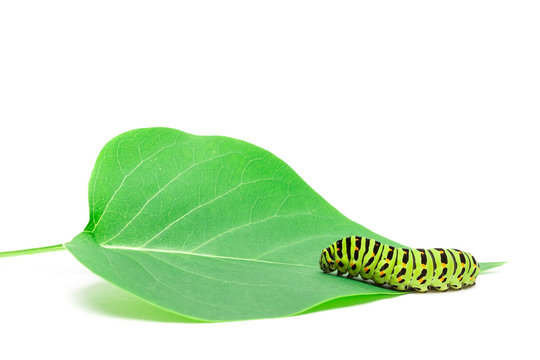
x: 400, y: 268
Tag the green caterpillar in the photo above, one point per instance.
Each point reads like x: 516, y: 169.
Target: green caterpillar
x: 401, y: 268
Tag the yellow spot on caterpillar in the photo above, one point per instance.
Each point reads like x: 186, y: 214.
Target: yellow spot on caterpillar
x: 423, y: 266
x: 442, y: 252
x: 462, y: 264
x: 459, y: 252
x: 357, y: 248
x: 399, y: 278
x: 352, y: 264
x: 421, y: 252
x: 390, y: 249
x: 337, y: 249
x: 372, y: 254
x: 366, y: 268
x: 403, y: 264
x: 381, y: 273
x: 421, y: 280
x: 475, y: 266
x: 387, y: 260
x: 442, y: 279
x: 459, y: 278
x: 443, y: 264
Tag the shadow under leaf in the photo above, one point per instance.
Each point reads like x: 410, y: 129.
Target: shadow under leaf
x: 107, y: 299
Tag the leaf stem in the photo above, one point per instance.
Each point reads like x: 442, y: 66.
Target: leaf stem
x: 32, y: 251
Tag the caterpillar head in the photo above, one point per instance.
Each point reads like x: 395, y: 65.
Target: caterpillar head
x: 326, y: 261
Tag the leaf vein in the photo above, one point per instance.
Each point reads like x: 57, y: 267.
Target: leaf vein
x: 197, y: 208
x: 124, y: 180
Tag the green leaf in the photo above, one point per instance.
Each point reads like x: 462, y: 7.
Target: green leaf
x: 485, y: 266
x: 213, y: 228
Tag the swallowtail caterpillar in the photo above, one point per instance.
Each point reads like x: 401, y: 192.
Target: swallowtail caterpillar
x: 401, y: 268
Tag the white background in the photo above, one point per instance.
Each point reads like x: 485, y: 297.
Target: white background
x: 416, y: 119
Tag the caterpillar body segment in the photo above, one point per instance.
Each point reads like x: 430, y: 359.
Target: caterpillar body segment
x: 400, y: 268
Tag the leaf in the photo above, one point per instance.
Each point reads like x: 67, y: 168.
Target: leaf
x: 485, y: 266
x: 213, y: 228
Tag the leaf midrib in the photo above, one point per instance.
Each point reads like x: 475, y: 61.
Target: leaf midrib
x: 149, y: 250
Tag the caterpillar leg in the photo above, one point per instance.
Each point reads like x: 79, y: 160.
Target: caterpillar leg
x: 443, y: 287
x: 420, y: 287
x: 400, y: 287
